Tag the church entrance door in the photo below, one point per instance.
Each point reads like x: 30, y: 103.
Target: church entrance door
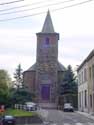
x: 45, y: 92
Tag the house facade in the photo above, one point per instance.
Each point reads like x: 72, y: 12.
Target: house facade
x: 91, y: 82
x: 83, y: 89
x: 86, y: 84
x: 43, y: 78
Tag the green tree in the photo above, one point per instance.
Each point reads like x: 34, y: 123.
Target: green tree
x: 69, y: 87
x: 18, y: 77
x: 69, y: 84
x: 19, y: 94
x: 5, y: 83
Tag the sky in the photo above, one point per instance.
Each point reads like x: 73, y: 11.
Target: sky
x: 18, y: 36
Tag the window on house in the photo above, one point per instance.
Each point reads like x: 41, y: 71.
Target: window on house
x: 79, y: 99
x: 82, y: 77
x: 85, y: 75
x: 93, y: 70
x: 90, y: 72
x: 79, y: 79
x: 82, y: 100
x: 91, y: 101
x: 85, y: 98
x: 93, y: 75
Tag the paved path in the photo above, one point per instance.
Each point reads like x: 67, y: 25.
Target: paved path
x: 55, y: 117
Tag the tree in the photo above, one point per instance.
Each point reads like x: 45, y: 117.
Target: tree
x: 18, y: 77
x: 20, y: 94
x: 69, y: 84
x: 5, y: 83
x: 68, y: 88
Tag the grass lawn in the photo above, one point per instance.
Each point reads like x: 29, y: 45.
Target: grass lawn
x: 17, y: 112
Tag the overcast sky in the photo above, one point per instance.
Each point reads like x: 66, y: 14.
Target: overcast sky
x: 18, y: 37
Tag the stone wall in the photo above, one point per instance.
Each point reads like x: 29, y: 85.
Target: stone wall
x: 28, y: 120
x: 29, y: 80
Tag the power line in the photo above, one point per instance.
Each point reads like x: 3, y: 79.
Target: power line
x: 12, y: 8
x: 19, y: 11
x: 31, y: 5
x: 20, y: 17
x: 74, y: 5
x: 11, y: 2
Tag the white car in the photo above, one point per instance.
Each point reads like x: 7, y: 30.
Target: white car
x: 30, y: 106
x: 68, y: 107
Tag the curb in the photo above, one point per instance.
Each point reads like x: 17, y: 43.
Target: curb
x: 86, y: 114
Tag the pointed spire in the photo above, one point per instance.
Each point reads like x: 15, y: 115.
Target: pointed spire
x: 48, y: 25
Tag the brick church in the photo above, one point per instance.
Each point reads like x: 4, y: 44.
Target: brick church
x: 44, y: 77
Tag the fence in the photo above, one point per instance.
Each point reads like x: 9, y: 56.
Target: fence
x: 29, y: 120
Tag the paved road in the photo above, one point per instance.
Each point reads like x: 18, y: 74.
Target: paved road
x: 55, y: 117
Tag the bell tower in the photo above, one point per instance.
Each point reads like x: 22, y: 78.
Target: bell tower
x: 47, y: 59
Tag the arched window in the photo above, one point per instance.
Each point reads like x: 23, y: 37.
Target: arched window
x: 47, y: 41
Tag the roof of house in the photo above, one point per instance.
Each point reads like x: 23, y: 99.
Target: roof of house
x: 86, y: 60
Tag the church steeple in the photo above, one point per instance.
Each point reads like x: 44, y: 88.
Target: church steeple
x: 48, y: 25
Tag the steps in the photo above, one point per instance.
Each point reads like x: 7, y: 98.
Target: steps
x: 48, y: 105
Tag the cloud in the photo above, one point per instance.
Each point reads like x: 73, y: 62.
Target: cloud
x: 19, y: 42
x: 10, y: 62
x: 20, y: 47
x: 18, y: 37
x: 73, y: 50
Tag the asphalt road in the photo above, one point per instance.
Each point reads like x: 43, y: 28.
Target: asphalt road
x: 56, y: 117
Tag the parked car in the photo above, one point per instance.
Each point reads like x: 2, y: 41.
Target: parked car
x: 68, y: 107
x: 30, y: 106
x: 8, y: 120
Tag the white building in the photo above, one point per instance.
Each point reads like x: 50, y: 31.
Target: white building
x: 86, y: 84
x: 83, y: 88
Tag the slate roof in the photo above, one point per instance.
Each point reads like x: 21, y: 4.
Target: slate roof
x: 32, y: 68
x: 48, y: 25
x: 86, y: 60
x: 60, y: 67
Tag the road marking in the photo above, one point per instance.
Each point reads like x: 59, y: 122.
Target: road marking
x: 71, y: 124
x: 53, y: 124
x: 84, y: 123
x: 66, y: 124
x: 77, y: 123
x: 90, y: 123
x: 48, y: 123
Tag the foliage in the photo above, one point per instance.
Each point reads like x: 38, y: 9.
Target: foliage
x: 19, y: 93
x: 15, y: 112
x: 18, y: 77
x: 10, y: 95
x: 20, y: 96
x: 69, y: 84
x: 5, y: 83
x: 5, y: 80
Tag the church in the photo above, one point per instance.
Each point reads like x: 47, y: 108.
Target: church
x: 44, y: 77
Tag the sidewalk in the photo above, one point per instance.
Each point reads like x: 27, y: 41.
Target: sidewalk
x: 43, y: 113
x: 86, y: 114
